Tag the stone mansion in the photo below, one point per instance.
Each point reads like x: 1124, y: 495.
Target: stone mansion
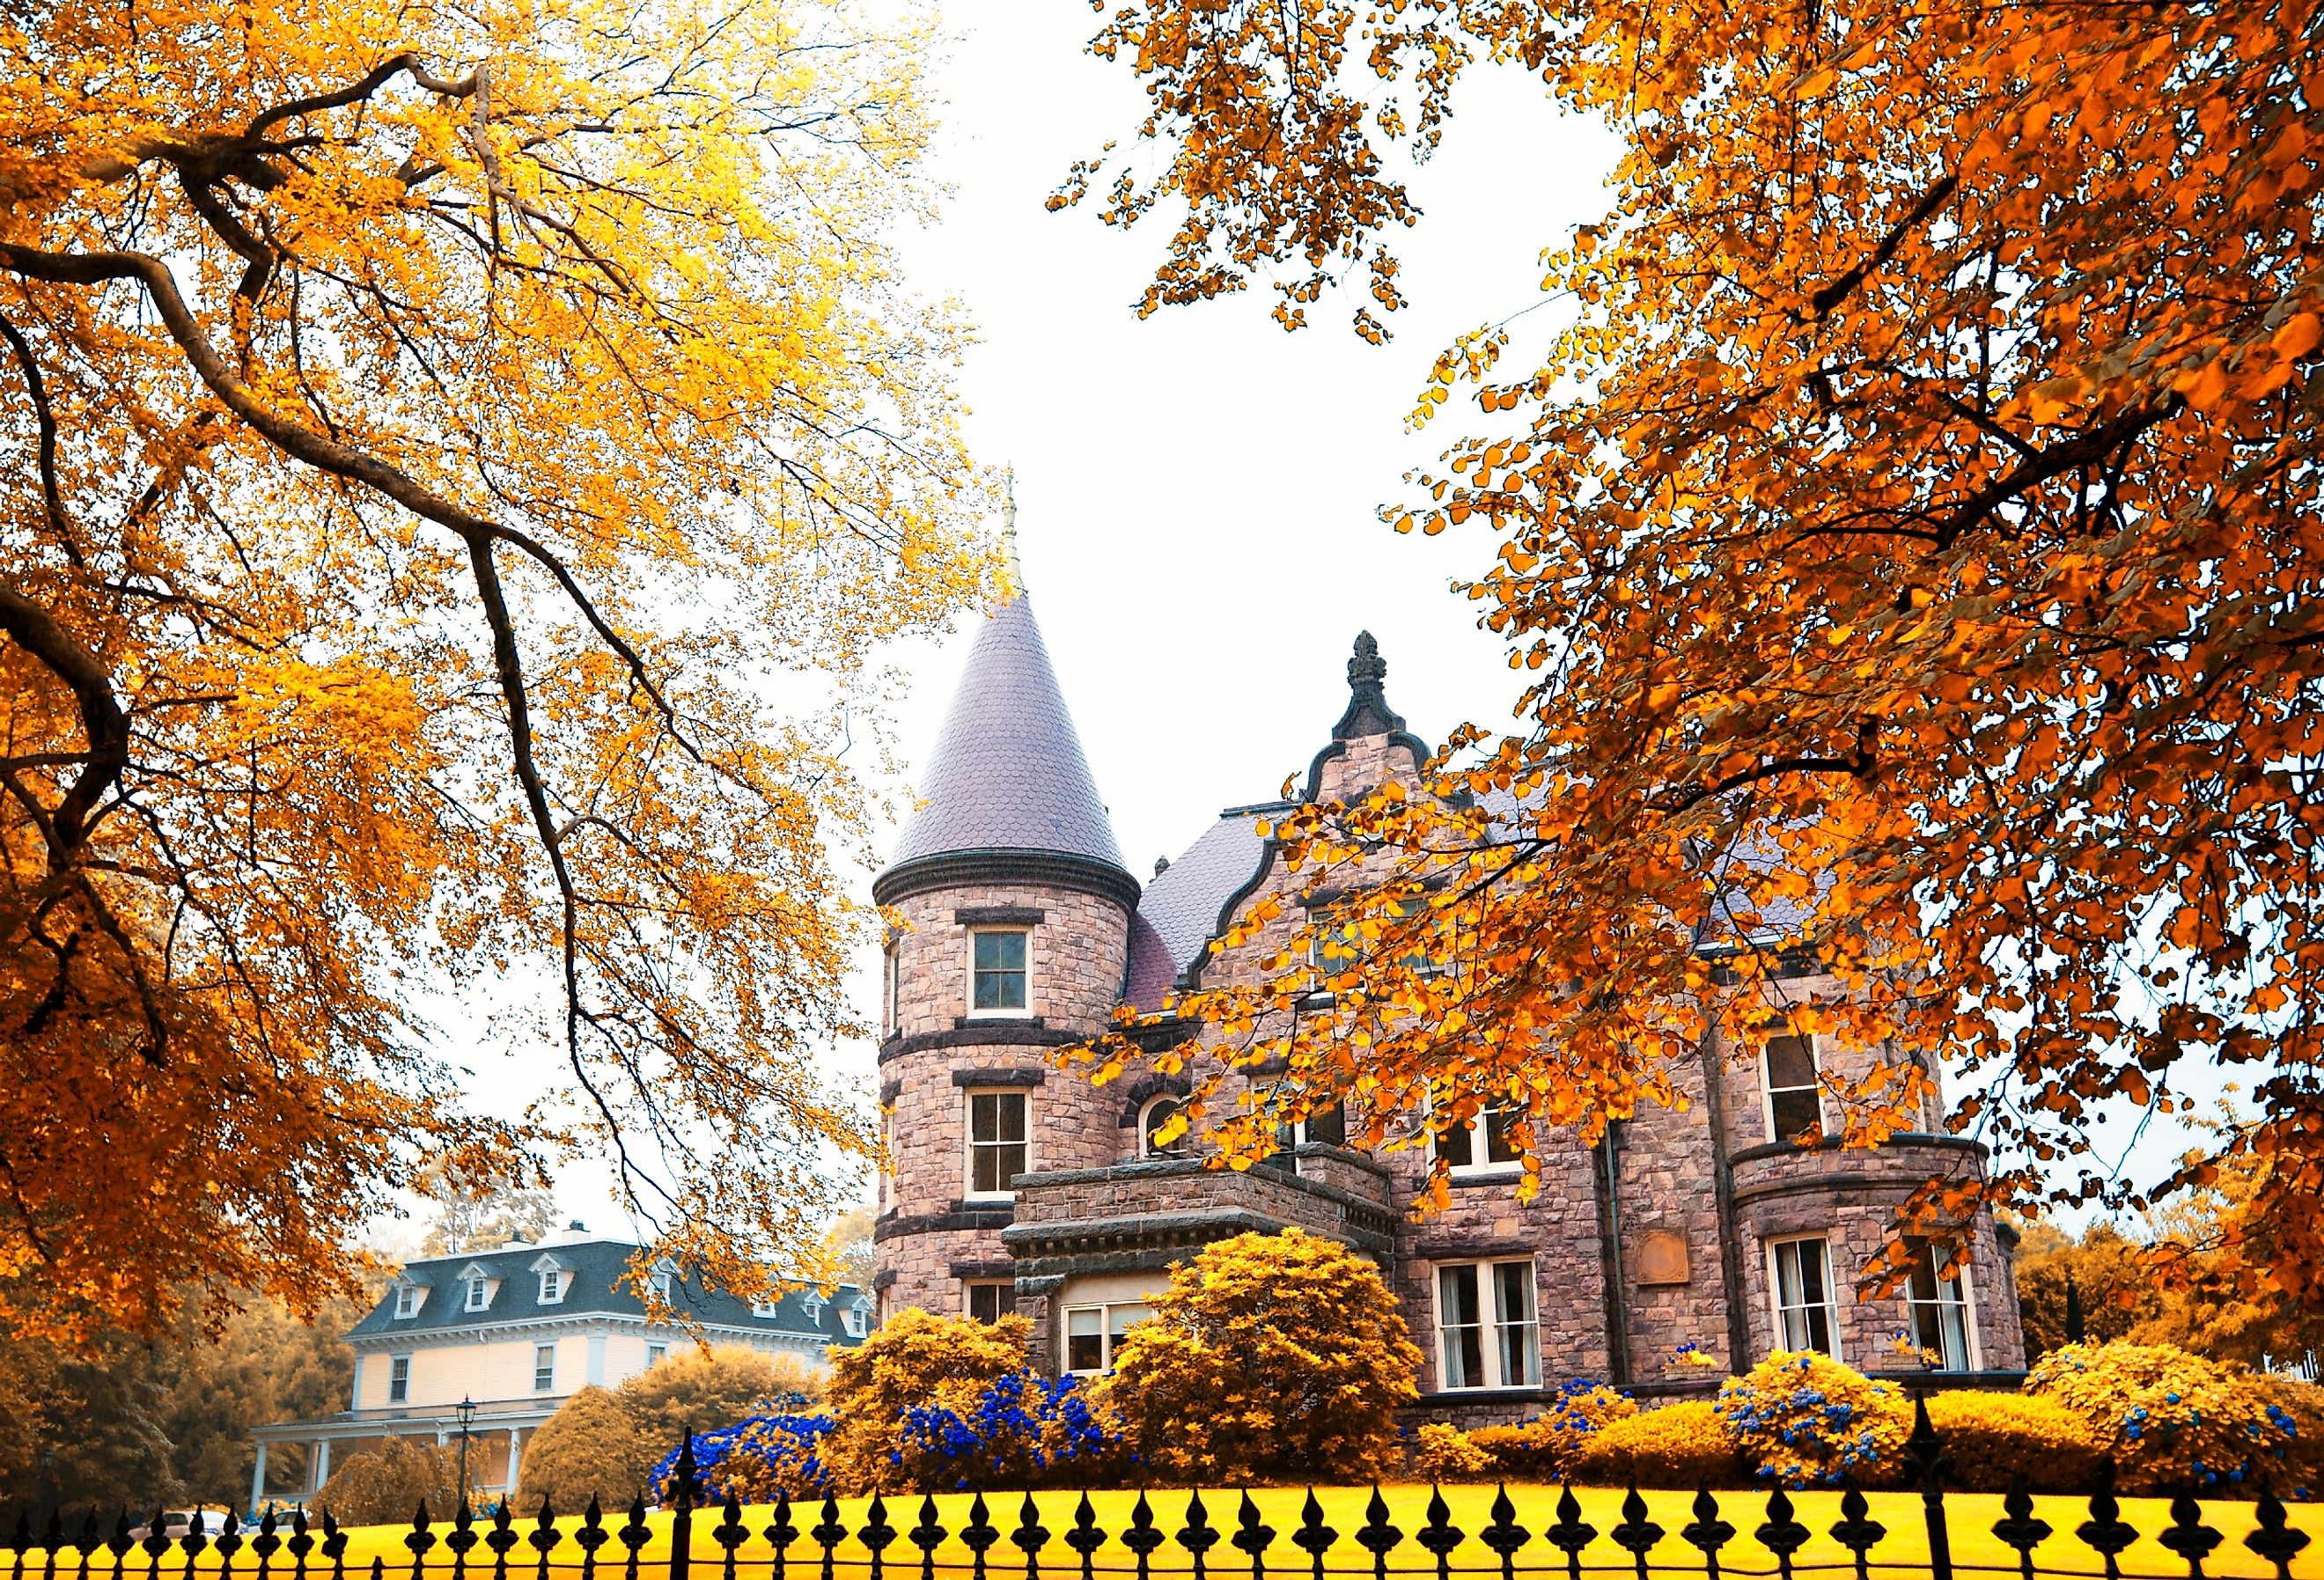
x: 1018, y: 1187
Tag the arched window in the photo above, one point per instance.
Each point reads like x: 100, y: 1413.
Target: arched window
x: 1157, y: 1112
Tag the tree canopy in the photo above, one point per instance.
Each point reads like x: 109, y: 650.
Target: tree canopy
x: 459, y: 461
x: 1908, y: 541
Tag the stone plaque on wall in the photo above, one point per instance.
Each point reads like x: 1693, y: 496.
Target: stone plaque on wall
x: 1662, y: 1257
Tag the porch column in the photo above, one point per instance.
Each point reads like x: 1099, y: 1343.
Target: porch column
x: 258, y: 1477
x: 516, y: 1445
x: 322, y: 1463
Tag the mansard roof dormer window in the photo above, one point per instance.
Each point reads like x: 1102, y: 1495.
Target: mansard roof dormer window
x: 477, y: 1287
x: 556, y: 1275
x: 411, y: 1295
x: 813, y: 1303
x: 855, y: 1315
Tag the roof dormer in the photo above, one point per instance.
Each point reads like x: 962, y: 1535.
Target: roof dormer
x: 476, y: 1288
x: 556, y: 1275
x: 408, y: 1294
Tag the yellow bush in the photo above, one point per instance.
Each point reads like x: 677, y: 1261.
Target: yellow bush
x: 1806, y: 1421
x: 1993, y: 1437
x: 1269, y: 1358
x: 1546, y: 1448
x: 1516, y: 1451
x: 1444, y: 1452
x: 2170, y: 1418
x: 915, y: 1359
x: 1685, y: 1446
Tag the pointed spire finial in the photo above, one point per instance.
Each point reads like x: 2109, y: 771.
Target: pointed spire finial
x: 1369, y: 713
x: 1012, y: 575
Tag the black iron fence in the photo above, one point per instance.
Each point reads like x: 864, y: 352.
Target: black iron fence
x: 690, y: 1541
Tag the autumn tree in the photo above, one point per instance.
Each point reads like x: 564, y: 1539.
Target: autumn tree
x: 459, y: 461
x: 386, y: 1484
x: 697, y: 1389
x: 590, y: 1448
x: 1907, y: 535
x: 133, y: 1418
x: 482, y: 1214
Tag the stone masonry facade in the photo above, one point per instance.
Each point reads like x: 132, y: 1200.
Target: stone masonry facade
x: 1670, y: 1233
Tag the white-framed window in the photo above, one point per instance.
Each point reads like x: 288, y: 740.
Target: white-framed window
x: 1789, y: 1076
x: 1483, y: 1145
x: 999, y: 978
x: 996, y: 1140
x: 764, y: 1309
x: 1488, y: 1334
x: 987, y: 1300
x: 1799, y: 1278
x: 660, y: 1283
x: 1094, y: 1333
x: 553, y: 1282
x: 480, y: 1294
x: 398, y: 1380
x: 656, y: 1354
x: 851, y: 1321
x: 544, y: 1368
x: 1938, y: 1304
x: 408, y: 1298
x: 1152, y: 1116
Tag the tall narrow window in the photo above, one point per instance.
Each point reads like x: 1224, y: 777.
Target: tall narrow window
x: 398, y: 1380
x: 1801, y: 1274
x: 997, y: 975
x: 552, y: 1286
x: 1467, y: 1151
x: 891, y: 1018
x: 1940, y: 1308
x: 544, y: 1368
x: 480, y: 1294
x: 996, y: 1140
x: 1486, y: 1332
x: 1794, y: 1094
x: 988, y: 1299
x: 887, y: 1157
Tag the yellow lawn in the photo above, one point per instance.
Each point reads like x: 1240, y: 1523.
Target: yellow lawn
x: 1970, y: 1518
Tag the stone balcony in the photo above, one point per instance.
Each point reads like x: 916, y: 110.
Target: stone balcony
x: 1137, y: 1216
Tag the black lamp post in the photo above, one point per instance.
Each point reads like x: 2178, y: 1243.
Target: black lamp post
x: 466, y: 1410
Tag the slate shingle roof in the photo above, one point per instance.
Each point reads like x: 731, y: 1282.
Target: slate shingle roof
x: 1182, y: 903
x: 597, y: 1267
x: 1007, y: 772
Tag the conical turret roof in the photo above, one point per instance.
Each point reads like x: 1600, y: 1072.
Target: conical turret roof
x: 1007, y: 777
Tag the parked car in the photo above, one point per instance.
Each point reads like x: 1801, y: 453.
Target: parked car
x: 176, y: 1523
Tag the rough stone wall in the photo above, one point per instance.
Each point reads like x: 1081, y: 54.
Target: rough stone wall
x: 1851, y: 1198
x: 1558, y: 1229
x: 931, y: 1235
x: 1665, y: 1199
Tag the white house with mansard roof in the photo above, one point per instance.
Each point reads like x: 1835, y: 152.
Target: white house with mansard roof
x: 515, y: 1332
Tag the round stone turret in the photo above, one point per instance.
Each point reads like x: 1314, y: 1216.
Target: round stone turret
x: 1015, y: 908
